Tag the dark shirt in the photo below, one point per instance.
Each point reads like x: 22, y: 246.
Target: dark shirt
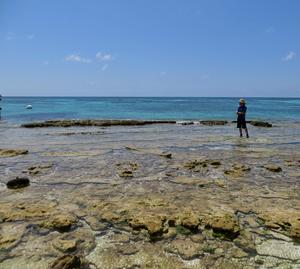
x: 242, y: 109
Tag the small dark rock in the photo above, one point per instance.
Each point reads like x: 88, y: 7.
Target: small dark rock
x: 273, y: 168
x: 126, y: 173
x: 185, y: 122
x: 18, y: 182
x: 261, y: 124
x: 214, y: 122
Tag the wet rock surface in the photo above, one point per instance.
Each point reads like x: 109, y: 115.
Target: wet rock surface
x: 69, y: 262
x: 273, y: 168
x: 214, y: 122
x: 214, y: 204
x: 101, y: 123
x: 12, y: 152
x: 261, y: 124
x: 18, y: 182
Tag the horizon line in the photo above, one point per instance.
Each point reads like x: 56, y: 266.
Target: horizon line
x: 123, y: 96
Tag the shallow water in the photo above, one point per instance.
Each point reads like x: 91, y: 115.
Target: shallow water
x: 82, y: 178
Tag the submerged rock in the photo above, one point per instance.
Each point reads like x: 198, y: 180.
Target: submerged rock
x: 104, y: 123
x: 273, y: 168
x: 261, y: 124
x: 65, y: 245
x: 12, y: 152
x: 279, y: 249
x: 185, y: 248
x: 185, y: 122
x: 213, y: 122
x: 126, y: 173
x: 151, y: 151
x: 197, y: 165
x: 237, y: 170
x: 69, y: 262
x: 18, y: 182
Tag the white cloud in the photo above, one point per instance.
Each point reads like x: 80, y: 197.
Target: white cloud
x: 163, y: 73
x: 10, y: 36
x: 290, y: 56
x: 32, y: 36
x: 45, y: 63
x: 104, y: 57
x: 77, y: 58
x: 104, y: 67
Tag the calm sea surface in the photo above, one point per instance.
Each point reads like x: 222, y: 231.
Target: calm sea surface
x: 178, y: 108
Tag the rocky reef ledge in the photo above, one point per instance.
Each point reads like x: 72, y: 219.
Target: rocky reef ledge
x: 107, y: 123
x: 100, y: 123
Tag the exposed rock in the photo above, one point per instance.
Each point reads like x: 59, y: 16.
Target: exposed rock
x: 153, y: 224
x: 18, y: 182
x: 186, y: 249
x: 287, y: 220
x: 104, y: 123
x: 17, y: 211
x: 260, y: 123
x: 214, y: 122
x: 196, y: 165
x: 224, y: 225
x: 12, y: 152
x: 61, y: 223
x: 189, y: 220
x: 279, y: 249
x: 126, y: 173
x: 273, y: 168
x: 69, y: 262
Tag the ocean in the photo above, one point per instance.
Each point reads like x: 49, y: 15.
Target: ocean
x: 176, y: 108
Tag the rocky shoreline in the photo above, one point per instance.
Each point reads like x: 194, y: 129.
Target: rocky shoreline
x: 151, y: 197
x: 106, y: 123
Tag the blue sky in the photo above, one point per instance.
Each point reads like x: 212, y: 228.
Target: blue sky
x: 150, y: 48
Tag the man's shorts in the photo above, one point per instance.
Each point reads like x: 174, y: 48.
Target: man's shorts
x: 241, y: 123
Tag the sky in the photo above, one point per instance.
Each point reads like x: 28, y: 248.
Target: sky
x: 150, y: 48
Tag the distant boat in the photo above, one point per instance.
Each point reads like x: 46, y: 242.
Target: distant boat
x: 29, y: 107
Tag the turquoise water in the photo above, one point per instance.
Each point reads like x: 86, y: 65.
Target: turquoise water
x: 178, y: 108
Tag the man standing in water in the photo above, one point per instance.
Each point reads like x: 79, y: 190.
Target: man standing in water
x: 241, y: 117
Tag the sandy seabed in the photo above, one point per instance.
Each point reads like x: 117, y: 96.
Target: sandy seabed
x: 157, y: 196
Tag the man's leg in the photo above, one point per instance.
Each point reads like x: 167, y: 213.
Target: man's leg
x: 246, y: 131
x: 241, y: 132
